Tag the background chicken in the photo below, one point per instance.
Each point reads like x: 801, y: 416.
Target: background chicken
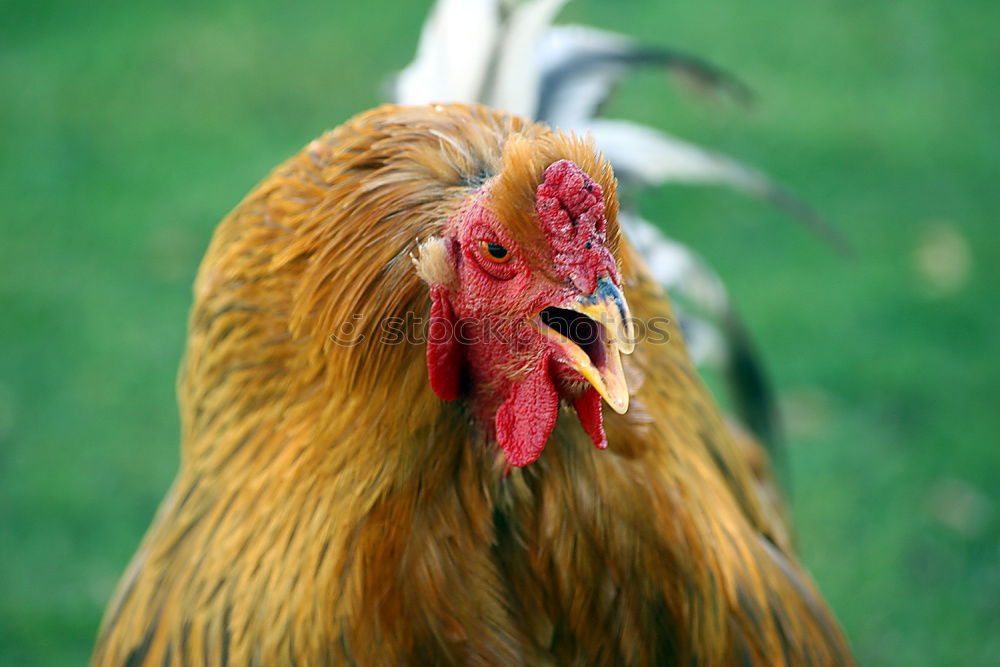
x: 133, y: 127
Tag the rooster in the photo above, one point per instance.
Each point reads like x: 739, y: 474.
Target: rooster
x: 436, y: 410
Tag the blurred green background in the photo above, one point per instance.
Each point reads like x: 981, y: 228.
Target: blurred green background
x: 130, y: 129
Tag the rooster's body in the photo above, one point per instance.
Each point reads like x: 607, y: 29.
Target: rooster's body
x: 331, y: 508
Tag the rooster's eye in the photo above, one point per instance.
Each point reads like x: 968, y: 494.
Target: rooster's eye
x: 495, y: 252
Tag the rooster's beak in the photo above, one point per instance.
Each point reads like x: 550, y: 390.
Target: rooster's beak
x: 591, y: 332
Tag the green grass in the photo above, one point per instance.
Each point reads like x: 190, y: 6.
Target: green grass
x: 129, y: 130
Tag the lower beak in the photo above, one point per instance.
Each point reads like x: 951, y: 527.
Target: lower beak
x: 593, y: 344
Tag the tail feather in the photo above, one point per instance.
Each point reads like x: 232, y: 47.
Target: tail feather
x: 517, y: 81
x: 649, y: 157
x: 455, y: 54
x: 713, y: 329
x: 582, y: 66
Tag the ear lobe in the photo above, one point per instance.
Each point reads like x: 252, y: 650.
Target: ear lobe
x: 434, y: 261
x: 444, y: 351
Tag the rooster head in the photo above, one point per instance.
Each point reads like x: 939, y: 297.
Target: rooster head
x: 527, y: 309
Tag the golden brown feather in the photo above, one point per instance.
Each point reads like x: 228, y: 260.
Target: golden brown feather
x: 330, y: 509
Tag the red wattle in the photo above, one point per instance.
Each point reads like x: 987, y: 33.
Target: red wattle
x: 525, y: 420
x: 588, y: 408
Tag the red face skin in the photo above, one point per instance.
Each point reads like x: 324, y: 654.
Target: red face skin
x: 482, y: 343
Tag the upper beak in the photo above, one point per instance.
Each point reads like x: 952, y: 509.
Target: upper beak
x: 593, y: 345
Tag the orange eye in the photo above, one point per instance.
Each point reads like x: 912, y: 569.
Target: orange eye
x: 494, y: 252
